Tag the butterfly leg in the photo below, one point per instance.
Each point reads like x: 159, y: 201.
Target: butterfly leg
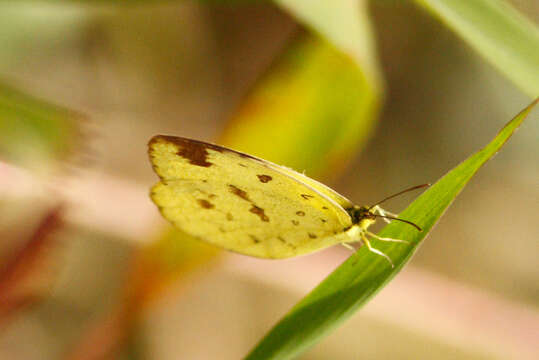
x: 379, y: 210
x: 349, y: 247
x: 386, y: 239
x: 376, y: 251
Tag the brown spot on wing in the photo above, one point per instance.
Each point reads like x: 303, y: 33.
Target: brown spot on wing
x: 242, y: 165
x: 197, y: 155
x: 201, y: 147
x: 300, y: 213
x: 205, y: 204
x: 324, y: 207
x: 212, y: 196
x: 194, y: 151
x: 295, y: 222
x: 254, y: 209
x: 306, y: 196
x: 281, y: 239
x: 260, y: 212
x: 291, y: 246
x: 254, y: 238
x: 229, y: 217
x: 264, y: 178
x: 238, y: 192
x: 311, y: 235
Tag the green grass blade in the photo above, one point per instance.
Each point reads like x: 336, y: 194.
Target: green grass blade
x: 362, y: 275
x: 498, y: 32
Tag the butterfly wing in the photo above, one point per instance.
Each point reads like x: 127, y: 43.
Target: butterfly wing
x: 242, y: 203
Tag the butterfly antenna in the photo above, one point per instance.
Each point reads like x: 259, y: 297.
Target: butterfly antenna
x: 404, y: 221
x: 399, y: 193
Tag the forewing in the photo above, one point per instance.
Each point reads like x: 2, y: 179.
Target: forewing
x: 241, y: 203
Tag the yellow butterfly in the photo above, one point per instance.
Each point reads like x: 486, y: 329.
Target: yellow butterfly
x: 252, y: 206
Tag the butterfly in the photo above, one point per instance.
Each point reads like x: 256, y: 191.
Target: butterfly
x: 252, y: 206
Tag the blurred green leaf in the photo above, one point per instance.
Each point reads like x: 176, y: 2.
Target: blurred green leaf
x: 313, y: 108
x: 33, y: 132
x: 318, y: 103
x: 347, y: 25
x: 498, y: 32
x: 363, y: 274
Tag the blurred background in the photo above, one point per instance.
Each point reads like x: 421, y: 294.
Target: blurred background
x: 88, y: 268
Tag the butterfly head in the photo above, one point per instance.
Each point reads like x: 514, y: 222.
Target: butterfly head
x: 362, y: 216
